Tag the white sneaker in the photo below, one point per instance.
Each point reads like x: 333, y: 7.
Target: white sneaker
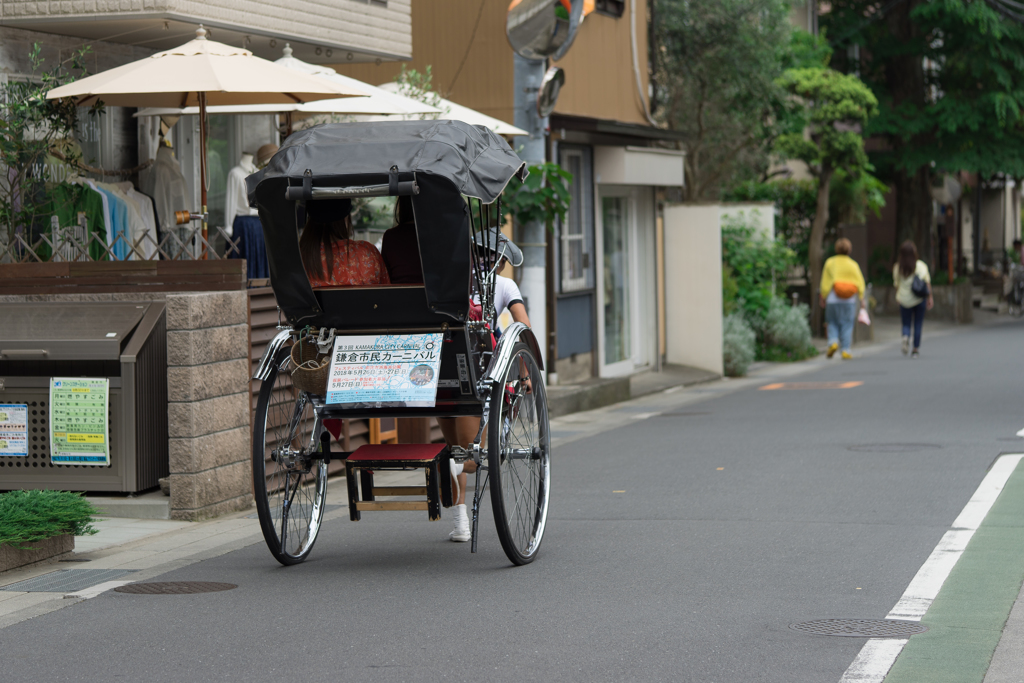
x: 906, y: 345
x: 460, y: 534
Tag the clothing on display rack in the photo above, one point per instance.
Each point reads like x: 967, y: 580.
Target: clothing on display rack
x: 118, y: 232
x: 133, y: 228
x: 248, y: 233
x: 70, y: 204
x: 146, y: 236
x: 106, y: 206
x: 165, y: 183
x: 236, y: 202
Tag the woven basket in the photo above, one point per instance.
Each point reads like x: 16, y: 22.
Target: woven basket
x: 312, y: 368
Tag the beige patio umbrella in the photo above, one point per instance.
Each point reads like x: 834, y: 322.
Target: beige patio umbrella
x: 202, y: 72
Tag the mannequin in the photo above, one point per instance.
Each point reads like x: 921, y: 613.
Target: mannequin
x: 166, y: 185
x: 236, y: 203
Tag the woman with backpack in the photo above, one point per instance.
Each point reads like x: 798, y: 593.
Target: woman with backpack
x: 913, y: 293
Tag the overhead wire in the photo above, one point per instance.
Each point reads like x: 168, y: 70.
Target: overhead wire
x: 469, y: 46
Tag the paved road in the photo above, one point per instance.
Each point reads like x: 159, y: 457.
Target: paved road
x: 743, y: 512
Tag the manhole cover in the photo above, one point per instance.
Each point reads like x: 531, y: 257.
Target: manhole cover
x: 894, y: 447
x: 174, y: 587
x: 858, y: 628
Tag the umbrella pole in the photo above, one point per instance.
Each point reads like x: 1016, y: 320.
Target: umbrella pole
x: 202, y: 170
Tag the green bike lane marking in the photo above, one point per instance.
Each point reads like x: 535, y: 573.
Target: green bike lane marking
x: 966, y: 619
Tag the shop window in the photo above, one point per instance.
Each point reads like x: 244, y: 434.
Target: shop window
x: 611, y: 8
x: 220, y: 158
x: 576, y: 232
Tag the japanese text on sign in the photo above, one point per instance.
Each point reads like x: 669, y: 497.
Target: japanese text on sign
x: 78, y: 422
x: 14, y: 429
x: 385, y: 370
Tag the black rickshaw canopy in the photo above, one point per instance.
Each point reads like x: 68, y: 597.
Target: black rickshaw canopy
x: 446, y: 159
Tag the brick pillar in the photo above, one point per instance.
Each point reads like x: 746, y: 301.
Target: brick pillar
x: 208, y: 403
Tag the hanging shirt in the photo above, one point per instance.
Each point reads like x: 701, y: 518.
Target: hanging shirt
x: 106, y: 208
x: 148, y: 214
x: 118, y: 235
x: 144, y: 235
x: 67, y: 202
x: 135, y: 226
x: 165, y: 183
x: 236, y: 201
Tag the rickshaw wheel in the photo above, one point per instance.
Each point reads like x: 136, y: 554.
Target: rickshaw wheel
x: 290, y: 486
x: 519, y: 457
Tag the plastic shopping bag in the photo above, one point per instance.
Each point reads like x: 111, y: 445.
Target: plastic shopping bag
x: 862, y: 317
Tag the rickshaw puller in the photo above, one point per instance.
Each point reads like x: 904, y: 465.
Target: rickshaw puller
x: 460, y: 431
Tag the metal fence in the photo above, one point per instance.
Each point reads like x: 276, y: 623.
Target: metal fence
x: 74, y: 243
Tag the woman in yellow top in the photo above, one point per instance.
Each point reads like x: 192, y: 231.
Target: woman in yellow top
x: 842, y: 289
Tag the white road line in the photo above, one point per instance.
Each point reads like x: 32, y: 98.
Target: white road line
x: 643, y: 416
x: 877, y: 656
x: 92, y: 592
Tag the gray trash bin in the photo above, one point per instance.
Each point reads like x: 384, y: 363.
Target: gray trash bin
x: 125, y: 342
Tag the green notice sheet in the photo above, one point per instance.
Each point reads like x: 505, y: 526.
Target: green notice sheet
x: 78, y: 422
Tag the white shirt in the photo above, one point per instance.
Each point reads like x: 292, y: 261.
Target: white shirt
x: 236, y: 201
x: 506, y: 293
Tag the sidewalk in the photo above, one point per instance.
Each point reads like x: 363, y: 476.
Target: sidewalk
x: 565, y: 399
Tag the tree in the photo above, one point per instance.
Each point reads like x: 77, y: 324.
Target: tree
x: 420, y: 87
x: 837, y: 107
x: 543, y: 197
x: 715, y: 65
x: 31, y: 128
x: 946, y: 74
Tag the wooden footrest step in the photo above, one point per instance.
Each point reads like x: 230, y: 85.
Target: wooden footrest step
x: 432, y: 458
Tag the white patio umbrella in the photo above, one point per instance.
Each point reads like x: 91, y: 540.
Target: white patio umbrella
x: 202, y: 72
x: 457, y: 112
x: 378, y: 100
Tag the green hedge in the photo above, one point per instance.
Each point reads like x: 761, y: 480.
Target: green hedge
x: 30, y: 516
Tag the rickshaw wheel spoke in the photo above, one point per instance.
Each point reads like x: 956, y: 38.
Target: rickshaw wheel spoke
x: 290, y: 486
x: 521, y: 483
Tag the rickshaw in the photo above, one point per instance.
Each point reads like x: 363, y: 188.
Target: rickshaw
x: 454, y: 174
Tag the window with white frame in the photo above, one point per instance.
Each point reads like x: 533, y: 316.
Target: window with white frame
x: 575, y: 243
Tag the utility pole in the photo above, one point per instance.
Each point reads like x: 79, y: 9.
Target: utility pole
x: 531, y: 237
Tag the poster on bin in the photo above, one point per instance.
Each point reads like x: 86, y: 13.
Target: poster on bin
x: 79, y: 433
x: 14, y: 430
x: 385, y: 370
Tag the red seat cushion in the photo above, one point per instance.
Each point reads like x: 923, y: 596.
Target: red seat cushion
x: 398, y: 451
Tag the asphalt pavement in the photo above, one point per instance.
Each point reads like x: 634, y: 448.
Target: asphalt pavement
x: 688, y: 531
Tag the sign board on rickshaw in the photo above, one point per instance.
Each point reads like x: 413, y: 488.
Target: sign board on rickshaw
x: 385, y: 370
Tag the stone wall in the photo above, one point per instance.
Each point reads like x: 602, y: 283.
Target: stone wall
x: 208, y: 403
x: 38, y: 551
x: 208, y: 396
